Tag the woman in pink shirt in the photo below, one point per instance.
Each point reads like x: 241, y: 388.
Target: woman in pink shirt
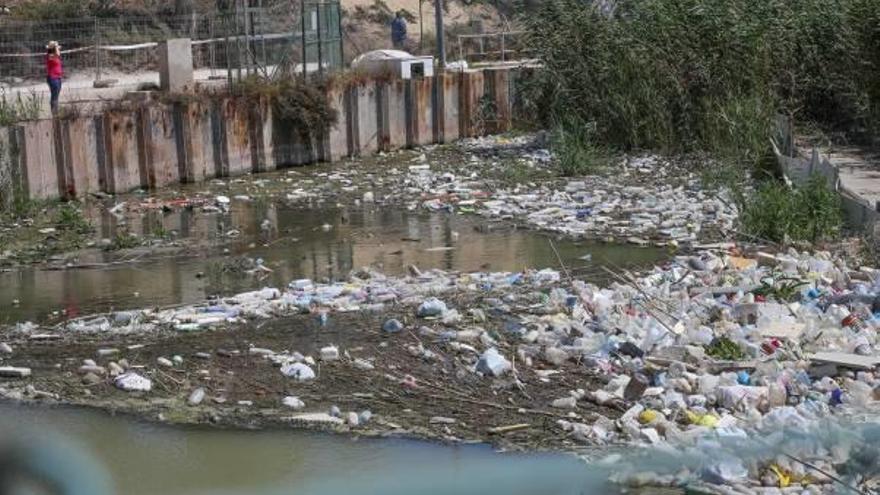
x: 54, y: 73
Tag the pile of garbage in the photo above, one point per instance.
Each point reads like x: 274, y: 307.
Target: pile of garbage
x: 646, y: 201
x: 709, y: 347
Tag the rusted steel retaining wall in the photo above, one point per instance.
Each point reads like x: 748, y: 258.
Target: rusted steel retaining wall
x: 155, y: 144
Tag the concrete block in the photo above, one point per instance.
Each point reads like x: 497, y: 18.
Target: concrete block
x: 194, y: 141
x: 236, y: 136
x: 157, y: 146
x: 40, y: 168
x: 392, y: 115
x: 175, y: 65
x: 363, y: 106
x: 446, y: 108
x: 471, y: 118
x: 263, y: 141
x: 334, y: 142
x: 77, y: 147
x: 118, y: 160
x: 420, y: 112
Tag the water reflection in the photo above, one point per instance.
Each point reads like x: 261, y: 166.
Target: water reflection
x: 138, y: 459
x: 295, y: 243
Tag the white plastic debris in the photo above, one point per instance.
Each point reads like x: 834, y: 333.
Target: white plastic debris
x: 299, y: 371
x: 132, y: 382
x: 492, y: 363
x: 293, y: 403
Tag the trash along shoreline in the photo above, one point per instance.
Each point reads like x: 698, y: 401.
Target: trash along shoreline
x: 715, y: 345
x: 723, y: 344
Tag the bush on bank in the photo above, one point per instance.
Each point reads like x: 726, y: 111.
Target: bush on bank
x: 776, y: 212
x: 708, y: 75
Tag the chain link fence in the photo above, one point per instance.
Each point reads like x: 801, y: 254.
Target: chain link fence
x: 247, y: 36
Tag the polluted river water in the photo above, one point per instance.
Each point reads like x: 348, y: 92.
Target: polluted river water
x: 133, y: 457
x: 100, y: 455
x: 320, y: 244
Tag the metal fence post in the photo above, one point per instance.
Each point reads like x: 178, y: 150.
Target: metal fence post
x: 97, y: 52
x: 320, y: 38
x: 302, y: 15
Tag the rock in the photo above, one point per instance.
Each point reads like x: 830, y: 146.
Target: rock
x: 299, y: 371
x: 177, y: 359
x: 329, y: 353
x: 196, y: 397
x: 335, y: 412
x: 202, y: 355
x: 492, y: 363
x: 132, y: 382
x: 245, y: 403
x: 565, y: 403
x: 352, y: 419
x: 124, y: 364
x: 369, y: 197
x: 164, y: 362
x: 107, y: 352
x: 91, y: 379
x: 392, y: 326
x: 431, y: 307
x: 293, y: 403
x: 5, y: 348
x: 89, y: 362
x: 96, y: 370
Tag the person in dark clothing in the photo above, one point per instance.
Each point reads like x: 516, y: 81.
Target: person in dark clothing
x: 54, y: 73
x: 398, y: 32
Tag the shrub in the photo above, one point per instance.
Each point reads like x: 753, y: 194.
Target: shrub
x: 779, y: 213
x: 707, y: 75
x: 299, y: 103
x: 18, y: 109
x: 574, y: 148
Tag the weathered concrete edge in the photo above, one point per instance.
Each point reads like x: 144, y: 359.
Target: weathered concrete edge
x: 158, y: 144
x: 798, y: 166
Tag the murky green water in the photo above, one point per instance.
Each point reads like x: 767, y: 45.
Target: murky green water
x: 100, y: 454
x: 319, y: 244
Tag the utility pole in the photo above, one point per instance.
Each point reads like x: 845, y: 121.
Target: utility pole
x: 441, y: 44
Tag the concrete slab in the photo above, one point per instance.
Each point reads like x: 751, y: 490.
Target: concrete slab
x: 119, y: 161
x: 39, y: 161
x: 334, y: 144
x: 498, y: 88
x: 446, y: 108
x: 420, y: 112
x: 79, y: 143
x: 158, y: 148
x: 392, y: 114
x: 472, y: 89
x: 237, y: 139
x: 195, y: 147
x: 364, y: 107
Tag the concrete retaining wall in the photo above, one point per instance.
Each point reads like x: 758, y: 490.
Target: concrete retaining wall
x: 158, y: 144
